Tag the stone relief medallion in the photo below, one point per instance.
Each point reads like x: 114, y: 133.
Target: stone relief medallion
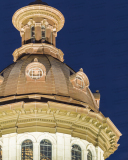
x: 35, y: 71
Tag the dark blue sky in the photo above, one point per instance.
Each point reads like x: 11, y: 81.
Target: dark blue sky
x: 95, y: 38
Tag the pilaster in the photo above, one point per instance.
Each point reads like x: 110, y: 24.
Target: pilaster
x: 60, y: 146
x: 84, y: 156
x: 67, y: 147
x: 36, y: 150
x: 99, y: 154
x: 12, y: 147
x: 5, y: 148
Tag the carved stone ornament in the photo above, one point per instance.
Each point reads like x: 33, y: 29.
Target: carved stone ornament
x: 35, y: 71
x: 79, y: 80
x: 31, y: 22
x: 48, y: 13
x: 44, y: 22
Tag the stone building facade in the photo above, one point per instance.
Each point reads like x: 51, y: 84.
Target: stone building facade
x: 47, y: 111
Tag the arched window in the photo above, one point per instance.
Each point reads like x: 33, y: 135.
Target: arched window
x: 0, y: 153
x: 45, y: 150
x: 89, y: 155
x: 33, y: 34
x: 79, y: 82
x: 35, y: 73
x: 27, y: 150
x: 76, y: 152
x: 43, y: 33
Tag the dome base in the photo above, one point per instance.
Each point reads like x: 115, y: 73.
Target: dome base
x: 53, y: 117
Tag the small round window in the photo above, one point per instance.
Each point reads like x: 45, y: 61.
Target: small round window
x: 35, y: 73
x: 79, y: 82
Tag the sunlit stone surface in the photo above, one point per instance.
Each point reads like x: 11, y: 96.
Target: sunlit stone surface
x: 47, y: 111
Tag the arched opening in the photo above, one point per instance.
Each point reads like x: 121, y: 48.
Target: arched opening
x: 27, y: 150
x: 45, y: 150
x: 89, y: 155
x: 76, y: 152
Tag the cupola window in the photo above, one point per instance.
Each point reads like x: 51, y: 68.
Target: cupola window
x: 33, y: 34
x: 79, y: 82
x: 35, y: 71
x: 89, y: 155
x: 27, y: 150
x: 76, y: 152
x: 43, y: 33
x: 45, y: 150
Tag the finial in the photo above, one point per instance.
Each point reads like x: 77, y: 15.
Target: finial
x: 97, y: 91
x: 35, y: 60
x: 81, y: 69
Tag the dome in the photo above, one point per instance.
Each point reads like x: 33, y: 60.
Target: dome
x: 38, y: 2
x: 44, y: 101
x: 57, y: 82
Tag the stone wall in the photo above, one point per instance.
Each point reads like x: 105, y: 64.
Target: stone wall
x: 61, y: 146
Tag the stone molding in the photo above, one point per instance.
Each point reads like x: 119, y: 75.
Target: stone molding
x: 43, y: 11
x: 55, y: 117
x: 52, y: 97
x: 38, y: 48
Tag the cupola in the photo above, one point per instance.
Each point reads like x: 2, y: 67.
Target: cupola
x: 47, y: 110
x: 38, y: 25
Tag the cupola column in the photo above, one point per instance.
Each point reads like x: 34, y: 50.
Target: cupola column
x: 38, y: 23
x: 38, y: 32
x: 54, y: 35
x: 27, y: 33
x: 48, y: 34
x: 22, y: 34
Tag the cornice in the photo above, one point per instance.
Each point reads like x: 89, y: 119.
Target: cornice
x: 59, y: 98
x: 38, y: 48
x: 42, y: 11
x: 57, y: 117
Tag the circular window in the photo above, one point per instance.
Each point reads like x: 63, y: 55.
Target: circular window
x: 80, y: 82
x: 35, y: 73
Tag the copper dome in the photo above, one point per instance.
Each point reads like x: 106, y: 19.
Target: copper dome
x: 57, y: 81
